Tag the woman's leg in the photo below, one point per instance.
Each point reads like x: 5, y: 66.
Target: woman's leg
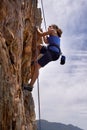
x: 35, y: 75
x: 29, y: 86
x: 44, y: 60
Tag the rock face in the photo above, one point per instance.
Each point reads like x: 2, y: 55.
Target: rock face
x: 18, y: 19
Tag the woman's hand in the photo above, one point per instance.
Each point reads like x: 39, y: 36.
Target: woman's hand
x: 39, y: 31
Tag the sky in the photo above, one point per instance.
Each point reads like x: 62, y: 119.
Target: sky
x: 63, y: 88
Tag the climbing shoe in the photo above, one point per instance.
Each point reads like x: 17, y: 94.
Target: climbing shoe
x: 28, y: 87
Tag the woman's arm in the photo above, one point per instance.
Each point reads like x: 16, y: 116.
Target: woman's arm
x: 45, y: 39
x: 49, y: 32
x: 42, y: 34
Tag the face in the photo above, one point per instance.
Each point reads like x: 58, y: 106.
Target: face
x: 50, y: 27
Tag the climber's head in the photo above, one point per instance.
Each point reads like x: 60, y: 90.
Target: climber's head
x: 58, y: 30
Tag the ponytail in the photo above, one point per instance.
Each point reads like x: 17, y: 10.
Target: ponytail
x: 59, y: 32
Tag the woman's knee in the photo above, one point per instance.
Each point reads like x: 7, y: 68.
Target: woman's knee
x: 37, y: 67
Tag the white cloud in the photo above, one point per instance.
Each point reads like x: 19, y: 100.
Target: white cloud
x: 63, y: 89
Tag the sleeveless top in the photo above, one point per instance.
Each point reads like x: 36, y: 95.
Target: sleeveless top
x: 54, y: 41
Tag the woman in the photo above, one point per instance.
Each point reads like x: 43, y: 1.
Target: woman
x: 50, y: 53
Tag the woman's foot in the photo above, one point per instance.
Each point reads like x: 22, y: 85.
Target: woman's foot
x: 28, y: 87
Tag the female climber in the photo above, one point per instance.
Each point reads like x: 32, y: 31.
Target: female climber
x: 50, y: 53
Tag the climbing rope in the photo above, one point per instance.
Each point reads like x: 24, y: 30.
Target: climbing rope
x: 43, y: 13
x: 39, y: 112
x: 38, y: 88
x: 38, y: 91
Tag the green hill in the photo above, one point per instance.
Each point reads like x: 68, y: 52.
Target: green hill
x: 45, y: 125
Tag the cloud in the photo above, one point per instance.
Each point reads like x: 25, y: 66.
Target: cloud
x: 71, y: 17
x: 63, y: 89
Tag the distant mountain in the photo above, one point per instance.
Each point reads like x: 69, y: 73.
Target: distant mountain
x: 45, y: 125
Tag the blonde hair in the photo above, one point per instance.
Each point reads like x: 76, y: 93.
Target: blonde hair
x: 59, y: 31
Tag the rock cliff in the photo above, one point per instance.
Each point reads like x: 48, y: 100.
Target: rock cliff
x: 18, y: 19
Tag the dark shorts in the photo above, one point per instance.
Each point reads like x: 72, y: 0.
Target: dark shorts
x: 47, y: 57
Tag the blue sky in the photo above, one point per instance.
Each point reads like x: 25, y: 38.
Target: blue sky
x: 63, y: 89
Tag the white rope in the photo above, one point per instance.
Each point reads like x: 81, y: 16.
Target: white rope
x: 38, y: 88
x: 43, y: 13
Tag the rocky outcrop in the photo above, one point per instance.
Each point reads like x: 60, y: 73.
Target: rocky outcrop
x: 18, y: 19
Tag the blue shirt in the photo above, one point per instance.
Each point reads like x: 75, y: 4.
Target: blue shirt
x: 54, y: 40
